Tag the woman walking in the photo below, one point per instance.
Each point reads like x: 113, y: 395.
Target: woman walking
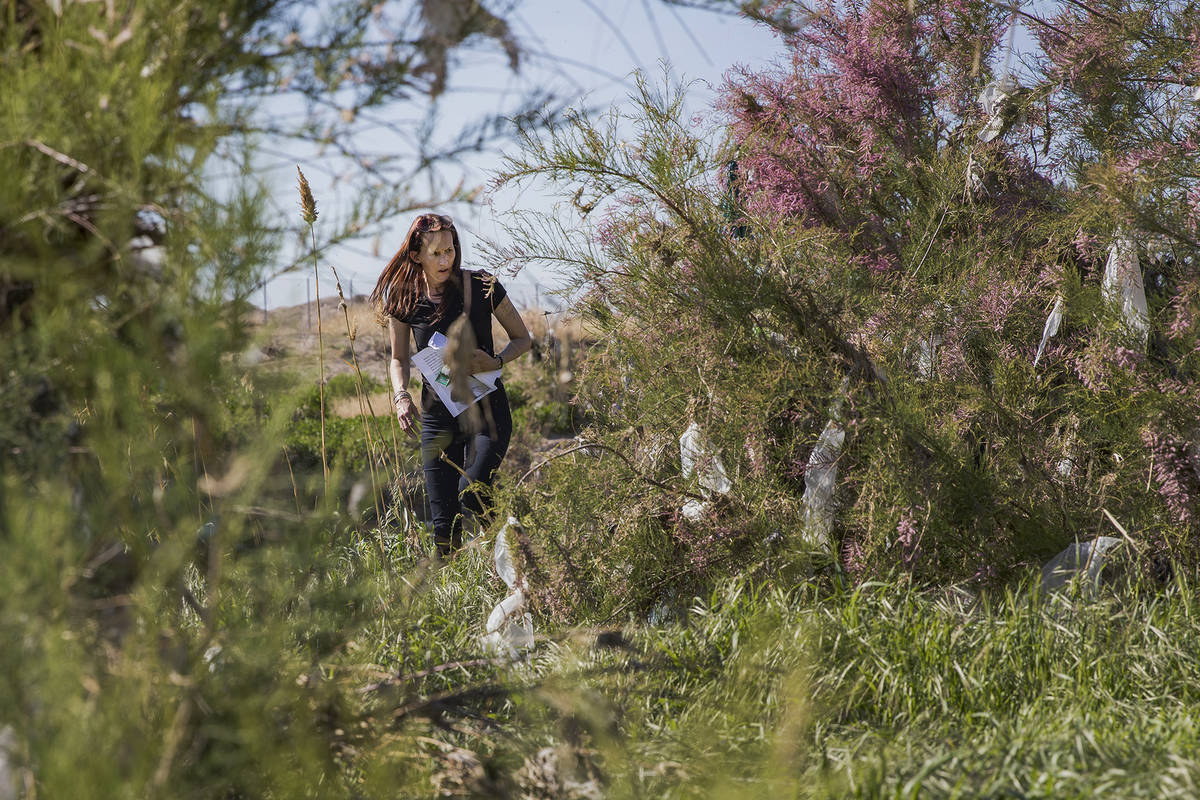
x: 424, y: 290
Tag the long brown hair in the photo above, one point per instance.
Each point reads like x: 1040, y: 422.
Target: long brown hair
x: 399, y: 287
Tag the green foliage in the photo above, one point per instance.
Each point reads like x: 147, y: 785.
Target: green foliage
x: 168, y: 605
x: 962, y: 460
x: 887, y: 692
x: 346, y: 442
x: 187, y: 615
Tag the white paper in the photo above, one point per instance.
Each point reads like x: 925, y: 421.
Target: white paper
x: 430, y: 363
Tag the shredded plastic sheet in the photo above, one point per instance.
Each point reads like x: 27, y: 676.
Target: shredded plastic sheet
x: 508, y: 629
x: 974, y: 175
x: 9, y: 785
x: 1052, y: 325
x: 819, y: 483
x: 1065, y: 466
x: 1084, y: 560
x: 992, y: 99
x: 927, y: 356
x: 1122, y: 285
x: 697, y: 456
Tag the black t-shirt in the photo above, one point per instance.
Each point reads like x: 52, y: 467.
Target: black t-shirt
x: 485, y: 292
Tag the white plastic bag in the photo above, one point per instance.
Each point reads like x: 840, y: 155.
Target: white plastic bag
x: 819, y: 483
x: 1083, y: 560
x: 500, y: 557
x: 9, y: 783
x: 697, y: 457
x: 1053, y: 322
x: 1121, y: 285
x: 927, y: 356
x: 694, y: 452
x: 508, y: 631
x: 992, y: 99
x: 974, y: 175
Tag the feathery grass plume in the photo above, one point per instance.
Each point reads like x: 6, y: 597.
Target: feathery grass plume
x: 308, y: 204
x: 460, y: 347
x: 308, y: 211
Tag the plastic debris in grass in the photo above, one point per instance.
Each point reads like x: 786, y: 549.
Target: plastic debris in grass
x: 1121, y: 285
x: 697, y: 457
x: 509, y: 627
x: 9, y: 784
x: 1081, y: 560
x: 820, y: 478
x: 974, y: 175
x: 1053, y: 323
x: 560, y: 772
x: 927, y: 356
x: 1065, y: 466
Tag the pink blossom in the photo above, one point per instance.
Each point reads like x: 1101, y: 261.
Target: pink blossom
x: 908, y: 536
x: 1177, y: 480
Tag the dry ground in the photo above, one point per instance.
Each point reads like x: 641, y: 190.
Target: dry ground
x: 287, y: 340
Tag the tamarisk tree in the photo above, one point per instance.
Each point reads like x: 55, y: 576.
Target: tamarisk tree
x: 886, y: 230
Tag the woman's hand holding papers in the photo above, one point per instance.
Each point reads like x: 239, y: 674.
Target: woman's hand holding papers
x: 482, y: 362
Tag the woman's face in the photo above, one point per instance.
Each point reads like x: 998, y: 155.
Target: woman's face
x: 436, y: 257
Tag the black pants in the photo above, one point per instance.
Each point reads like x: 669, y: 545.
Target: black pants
x: 446, y: 485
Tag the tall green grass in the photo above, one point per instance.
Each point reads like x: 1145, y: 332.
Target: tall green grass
x: 884, y: 691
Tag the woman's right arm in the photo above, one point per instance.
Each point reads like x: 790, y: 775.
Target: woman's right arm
x: 399, y: 370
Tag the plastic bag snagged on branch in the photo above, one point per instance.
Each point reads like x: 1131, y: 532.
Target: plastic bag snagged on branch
x: 697, y: 456
x: 927, y: 356
x: 1053, y: 323
x: 995, y: 100
x: 1121, y: 285
x: 508, y: 629
x: 820, y: 478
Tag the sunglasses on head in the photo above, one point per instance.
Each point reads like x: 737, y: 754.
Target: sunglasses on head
x: 434, y: 222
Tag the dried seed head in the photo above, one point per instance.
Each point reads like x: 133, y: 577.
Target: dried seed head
x: 308, y: 205
x: 460, y: 346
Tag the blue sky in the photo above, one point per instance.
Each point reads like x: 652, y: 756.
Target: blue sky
x: 583, y: 49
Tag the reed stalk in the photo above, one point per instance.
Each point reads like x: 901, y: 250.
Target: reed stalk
x: 308, y: 210
x: 366, y: 412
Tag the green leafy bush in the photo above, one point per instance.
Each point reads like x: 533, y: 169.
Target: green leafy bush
x: 850, y: 256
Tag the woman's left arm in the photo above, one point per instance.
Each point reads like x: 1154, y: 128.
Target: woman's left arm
x: 519, y: 340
